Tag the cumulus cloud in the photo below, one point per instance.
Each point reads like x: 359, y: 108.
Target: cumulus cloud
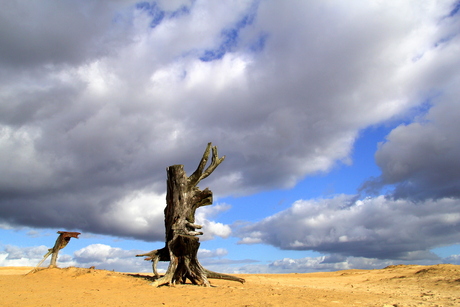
x: 29, y: 256
x: 206, y: 253
x: 378, y: 227
x: 212, y: 228
x: 104, y: 257
x: 15, y: 252
x: 326, y: 263
x: 97, y: 99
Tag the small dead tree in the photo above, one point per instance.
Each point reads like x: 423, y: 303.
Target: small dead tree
x: 182, y: 199
x: 61, y: 242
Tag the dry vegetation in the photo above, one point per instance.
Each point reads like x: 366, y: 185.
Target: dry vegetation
x: 413, y: 285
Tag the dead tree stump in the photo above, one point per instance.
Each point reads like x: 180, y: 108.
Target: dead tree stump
x: 182, y: 199
x: 61, y: 242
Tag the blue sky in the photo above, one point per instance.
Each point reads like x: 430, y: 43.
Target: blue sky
x: 338, y: 122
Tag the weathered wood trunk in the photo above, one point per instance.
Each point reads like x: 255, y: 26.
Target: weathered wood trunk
x: 61, y: 242
x: 182, y: 199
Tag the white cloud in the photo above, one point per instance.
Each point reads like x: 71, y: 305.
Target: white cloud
x: 212, y: 228
x: 206, y: 253
x: 137, y: 214
x: 374, y: 227
x: 102, y: 256
x: 30, y: 256
x: 333, y: 263
x: 453, y: 259
x: 15, y: 252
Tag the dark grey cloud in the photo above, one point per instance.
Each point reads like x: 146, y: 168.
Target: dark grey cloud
x: 372, y: 228
x: 96, y: 101
x: 59, y: 32
x: 421, y: 159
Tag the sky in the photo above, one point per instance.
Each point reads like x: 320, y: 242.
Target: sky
x: 338, y: 120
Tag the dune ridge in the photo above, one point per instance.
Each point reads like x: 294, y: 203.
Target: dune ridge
x: 397, y: 286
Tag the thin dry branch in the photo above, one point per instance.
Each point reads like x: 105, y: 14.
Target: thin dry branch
x: 200, y: 172
x: 214, y: 163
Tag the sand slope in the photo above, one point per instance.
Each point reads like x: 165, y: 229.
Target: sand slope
x: 412, y: 285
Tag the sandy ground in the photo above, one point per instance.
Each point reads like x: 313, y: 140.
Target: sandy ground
x: 412, y: 285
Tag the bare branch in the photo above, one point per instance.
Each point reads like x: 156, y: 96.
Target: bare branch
x: 200, y: 173
x: 214, y: 163
x: 191, y: 225
x: 155, y: 256
x: 195, y: 177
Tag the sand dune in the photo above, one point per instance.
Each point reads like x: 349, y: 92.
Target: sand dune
x: 412, y: 285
